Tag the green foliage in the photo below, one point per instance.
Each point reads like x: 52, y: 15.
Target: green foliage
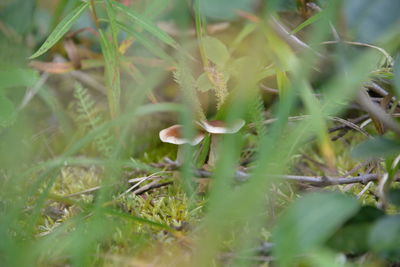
x: 309, y: 222
x: 99, y: 192
x: 143, y: 40
x: 352, y: 237
x: 394, y: 196
x: 377, y: 147
x: 112, y: 73
x: 225, y: 9
x: 16, y: 77
x: 313, y: 19
x: 90, y: 117
x: 7, y: 112
x: 60, y: 30
x: 383, y: 238
x: 203, y: 83
x: 216, y: 51
x: 143, y: 22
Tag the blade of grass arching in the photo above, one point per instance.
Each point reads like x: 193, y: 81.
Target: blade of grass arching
x: 113, y: 23
x: 56, y: 108
x: 246, y: 31
x: 278, y: 164
x: 315, y: 110
x: 145, y: 24
x: 283, y: 83
x: 191, y: 111
x: 277, y: 160
x: 50, y: 171
x: 81, y: 161
x: 50, y: 174
x: 219, y: 220
x: 113, y: 172
x: 231, y: 210
x: 112, y: 212
x: 152, y: 47
x: 123, y: 119
x: 60, y: 30
x: 110, y: 53
x: 117, y: 213
x: 272, y: 158
x: 111, y: 57
x: 200, y: 28
x: 308, y: 22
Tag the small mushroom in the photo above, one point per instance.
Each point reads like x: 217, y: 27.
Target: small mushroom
x: 217, y: 128
x: 174, y: 135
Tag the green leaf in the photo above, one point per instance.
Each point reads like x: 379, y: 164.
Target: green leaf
x: 203, y: 83
x: 7, y: 112
x: 394, y: 196
x: 215, y: 50
x: 60, y: 30
x: 384, y: 237
x: 396, y: 73
x: 376, y: 147
x: 309, y: 21
x: 309, y: 222
x: 18, y: 77
x: 145, y: 24
x: 353, y: 236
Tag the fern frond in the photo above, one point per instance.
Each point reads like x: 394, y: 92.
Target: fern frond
x: 89, y: 116
x: 257, y: 115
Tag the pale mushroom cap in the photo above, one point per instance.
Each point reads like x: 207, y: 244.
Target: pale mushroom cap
x: 173, y: 135
x: 220, y: 127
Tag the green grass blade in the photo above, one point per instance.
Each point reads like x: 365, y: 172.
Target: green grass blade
x: 137, y: 219
x: 309, y: 21
x: 146, y: 42
x: 112, y: 74
x: 60, y: 30
x: 147, y: 25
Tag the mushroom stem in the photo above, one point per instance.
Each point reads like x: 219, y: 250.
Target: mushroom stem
x: 212, y: 155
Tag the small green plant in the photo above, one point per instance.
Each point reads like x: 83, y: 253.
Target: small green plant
x: 294, y: 105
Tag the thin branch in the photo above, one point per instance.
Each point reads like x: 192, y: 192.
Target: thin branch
x: 242, y: 176
x: 383, y: 51
x: 345, y: 123
x: 375, y: 110
x: 354, y: 121
x: 269, y: 89
x: 291, y: 39
x: 376, y: 89
x: 365, y: 189
x: 151, y: 186
x: 84, y: 192
x: 135, y: 181
x: 31, y: 92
